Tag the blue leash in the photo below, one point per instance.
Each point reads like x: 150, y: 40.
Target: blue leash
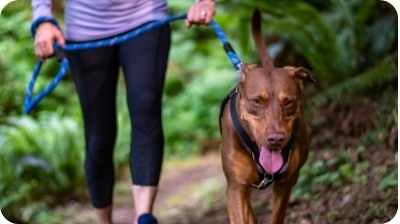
x: 30, y: 101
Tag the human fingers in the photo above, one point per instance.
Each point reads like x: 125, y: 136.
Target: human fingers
x: 208, y: 11
x: 59, y: 37
x: 190, y: 17
x: 43, y: 48
x: 200, y: 13
x: 45, y: 36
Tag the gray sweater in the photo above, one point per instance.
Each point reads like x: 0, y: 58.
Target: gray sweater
x: 87, y: 20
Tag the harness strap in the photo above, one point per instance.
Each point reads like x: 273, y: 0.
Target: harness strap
x: 265, y: 179
x: 243, y: 134
x: 223, y: 104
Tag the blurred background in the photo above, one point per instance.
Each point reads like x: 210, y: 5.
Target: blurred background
x: 350, y: 46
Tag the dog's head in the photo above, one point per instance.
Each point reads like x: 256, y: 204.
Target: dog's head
x: 270, y: 102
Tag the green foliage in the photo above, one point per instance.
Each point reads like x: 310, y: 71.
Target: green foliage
x: 389, y: 181
x: 192, y: 116
x: 381, y: 74
x: 15, y: 45
x: 314, y: 38
x: 40, y: 159
x: 332, y: 173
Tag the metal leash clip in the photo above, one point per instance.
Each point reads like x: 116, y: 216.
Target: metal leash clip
x: 268, y: 179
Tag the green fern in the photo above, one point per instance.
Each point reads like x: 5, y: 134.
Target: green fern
x: 381, y: 74
x: 40, y: 160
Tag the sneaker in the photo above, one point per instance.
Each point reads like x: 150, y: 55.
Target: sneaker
x: 147, y: 219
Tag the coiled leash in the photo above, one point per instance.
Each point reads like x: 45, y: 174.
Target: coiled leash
x: 31, y: 101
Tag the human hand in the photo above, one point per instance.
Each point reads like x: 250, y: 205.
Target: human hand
x: 200, y: 13
x: 46, y: 34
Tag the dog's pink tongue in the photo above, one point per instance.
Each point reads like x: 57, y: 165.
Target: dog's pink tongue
x: 270, y: 160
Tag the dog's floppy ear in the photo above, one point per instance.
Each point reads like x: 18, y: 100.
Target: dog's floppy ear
x: 302, y: 74
x: 246, y: 69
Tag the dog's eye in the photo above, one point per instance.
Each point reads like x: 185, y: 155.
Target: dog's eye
x: 288, y: 104
x: 257, y: 102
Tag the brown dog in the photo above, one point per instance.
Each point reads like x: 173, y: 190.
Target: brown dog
x: 264, y: 136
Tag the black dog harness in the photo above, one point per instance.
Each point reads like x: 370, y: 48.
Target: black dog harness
x: 265, y: 179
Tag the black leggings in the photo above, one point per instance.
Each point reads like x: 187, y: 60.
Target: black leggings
x: 95, y: 71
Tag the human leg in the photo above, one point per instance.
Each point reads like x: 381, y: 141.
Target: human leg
x: 103, y: 215
x: 95, y: 73
x: 144, y: 62
x: 143, y: 198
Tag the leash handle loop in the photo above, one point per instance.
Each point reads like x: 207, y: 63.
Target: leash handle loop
x: 30, y: 101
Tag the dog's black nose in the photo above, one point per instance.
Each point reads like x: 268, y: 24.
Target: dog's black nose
x: 275, y: 138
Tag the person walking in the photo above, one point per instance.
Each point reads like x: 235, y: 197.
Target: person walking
x: 143, y: 60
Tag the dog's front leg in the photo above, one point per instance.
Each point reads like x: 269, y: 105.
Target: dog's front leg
x: 281, y: 191
x: 239, y: 206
